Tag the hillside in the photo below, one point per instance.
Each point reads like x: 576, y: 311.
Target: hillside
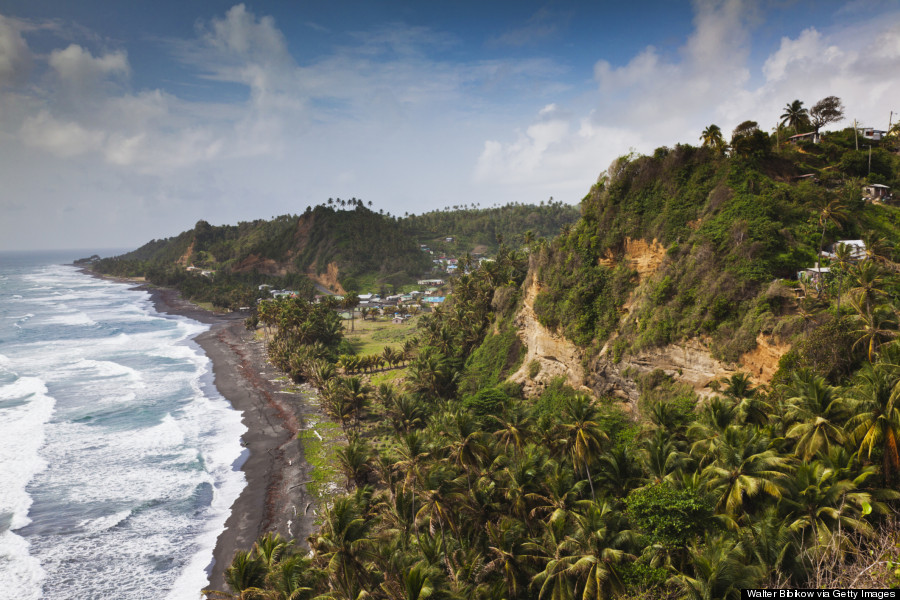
x: 648, y: 406
x: 341, y: 246
x: 332, y: 246
x: 692, y: 252
x: 475, y: 229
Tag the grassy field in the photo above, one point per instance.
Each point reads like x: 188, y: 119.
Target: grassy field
x: 370, y: 337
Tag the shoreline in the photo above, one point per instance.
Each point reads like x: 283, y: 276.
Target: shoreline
x: 274, y: 498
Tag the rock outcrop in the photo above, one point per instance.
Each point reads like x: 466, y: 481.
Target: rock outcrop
x: 556, y: 355
x: 689, y: 361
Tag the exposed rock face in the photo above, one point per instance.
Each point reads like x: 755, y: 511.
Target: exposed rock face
x: 328, y: 278
x: 688, y: 362
x: 556, y: 355
x: 185, y: 260
x: 641, y: 256
x: 762, y: 362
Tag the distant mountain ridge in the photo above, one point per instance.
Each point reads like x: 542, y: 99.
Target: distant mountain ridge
x: 344, y: 245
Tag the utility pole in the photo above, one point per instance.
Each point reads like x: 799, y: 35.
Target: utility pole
x: 856, y: 134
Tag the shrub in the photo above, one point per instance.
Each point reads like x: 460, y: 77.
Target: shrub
x: 668, y: 516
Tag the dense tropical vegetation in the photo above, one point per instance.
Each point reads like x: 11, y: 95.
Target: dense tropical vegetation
x: 460, y: 486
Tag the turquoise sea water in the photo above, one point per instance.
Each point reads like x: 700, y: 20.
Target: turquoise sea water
x: 118, y: 458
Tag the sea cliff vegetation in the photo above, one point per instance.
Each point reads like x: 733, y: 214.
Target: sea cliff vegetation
x: 458, y: 485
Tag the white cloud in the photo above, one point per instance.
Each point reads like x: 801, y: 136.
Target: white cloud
x: 15, y: 58
x: 78, y: 68
x: 62, y: 138
x: 653, y: 101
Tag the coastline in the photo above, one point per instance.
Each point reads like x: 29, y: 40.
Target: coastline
x: 274, y: 498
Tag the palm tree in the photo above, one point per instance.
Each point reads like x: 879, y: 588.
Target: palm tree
x: 582, y: 434
x: 246, y: 577
x: 355, y: 461
x: 510, y: 556
x: 769, y: 541
x: 430, y: 373
x: 795, y: 116
x: 874, y: 326
x: 514, y: 430
x: 413, y: 452
x: 418, y: 582
x: 870, y: 282
x: 841, y: 263
x: 439, y: 493
x: 597, y: 550
x: 712, y: 137
x: 875, y: 423
x: 662, y: 458
x: 358, y: 393
x: 720, y: 570
x: 343, y: 546
x: 743, y: 467
x: 824, y: 506
x: 831, y: 211
x: 560, y: 496
x: 817, y: 412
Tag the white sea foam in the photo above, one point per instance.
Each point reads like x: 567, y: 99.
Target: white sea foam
x: 103, y: 523
x: 73, y: 319
x: 21, y: 572
x: 138, y: 455
x: 106, y: 369
x: 21, y: 436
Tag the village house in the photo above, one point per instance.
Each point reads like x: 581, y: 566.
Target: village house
x: 812, y: 136
x: 813, y: 275
x: 871, y: 134
x: 857, y: 249
x: 877, y: 191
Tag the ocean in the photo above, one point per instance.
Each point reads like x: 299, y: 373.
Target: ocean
x: 119, y: 460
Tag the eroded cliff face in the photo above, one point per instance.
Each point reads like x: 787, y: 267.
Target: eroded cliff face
x: 556, y: 355
x: 688, y: 362
x: 328, y: 278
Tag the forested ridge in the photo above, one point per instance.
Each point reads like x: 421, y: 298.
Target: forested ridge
x: 460, y: 486
x: 368, y: 250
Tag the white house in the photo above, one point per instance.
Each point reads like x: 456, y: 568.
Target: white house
x: 871, y: 134
x: 857, y: 249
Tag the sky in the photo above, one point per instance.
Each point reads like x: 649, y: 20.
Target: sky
x: 122, y: 122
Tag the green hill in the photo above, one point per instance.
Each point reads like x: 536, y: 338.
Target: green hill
x: 343, y: 246
x: 730, y: 226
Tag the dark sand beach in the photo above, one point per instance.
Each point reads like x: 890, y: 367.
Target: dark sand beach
x: 275, y: 497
